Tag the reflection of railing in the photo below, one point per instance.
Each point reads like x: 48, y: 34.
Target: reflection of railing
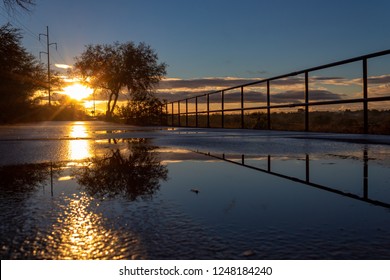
x: 176, y: 116
x: 307, y: 181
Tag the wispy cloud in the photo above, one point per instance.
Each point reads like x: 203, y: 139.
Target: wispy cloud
x: 286, y: 90
x: 294, y: 96
x: 63, y: 66
x: 209, y: 82
x: 384, y: 79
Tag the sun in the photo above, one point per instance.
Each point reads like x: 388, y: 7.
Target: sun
x: 78, y: 91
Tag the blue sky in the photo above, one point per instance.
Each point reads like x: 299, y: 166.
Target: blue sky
x: 214, y: 38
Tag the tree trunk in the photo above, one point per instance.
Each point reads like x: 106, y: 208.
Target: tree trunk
x: 114, y: 104
x: 110, y: 109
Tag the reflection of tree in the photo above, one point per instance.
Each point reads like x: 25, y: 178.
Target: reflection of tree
x: 132, y: 173
x: 24, y: 178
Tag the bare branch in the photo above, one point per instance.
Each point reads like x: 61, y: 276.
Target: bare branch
x: 23, y: 4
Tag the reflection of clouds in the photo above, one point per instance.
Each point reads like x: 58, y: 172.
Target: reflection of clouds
x: 176, y: 155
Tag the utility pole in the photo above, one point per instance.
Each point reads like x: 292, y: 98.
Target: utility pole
x: 48, y: 44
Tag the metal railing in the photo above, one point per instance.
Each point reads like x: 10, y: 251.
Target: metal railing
x: 179, y: 113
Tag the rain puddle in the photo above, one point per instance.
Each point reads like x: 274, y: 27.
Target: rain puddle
x: 166, y: 197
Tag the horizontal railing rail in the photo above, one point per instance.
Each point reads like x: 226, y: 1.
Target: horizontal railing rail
x: 173, y: 113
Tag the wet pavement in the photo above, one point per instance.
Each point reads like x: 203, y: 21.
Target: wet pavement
x: 96, y: 190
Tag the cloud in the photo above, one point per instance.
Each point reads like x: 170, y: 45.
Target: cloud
x: 321, y: 95
x: 292, y: 96
x: 295, y: 96
x: 286, y: 90
x: 289, y: 81
x: 63, y: 66
x: 318, y: 78
x: 384, y: 79
x: 218, y: 83
x: 214, y: 83
x: 177, y: 89
x: 178, y: 95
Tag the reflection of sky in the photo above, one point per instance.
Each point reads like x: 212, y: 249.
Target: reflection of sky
x: 236, y: 209
x: 229, y: 195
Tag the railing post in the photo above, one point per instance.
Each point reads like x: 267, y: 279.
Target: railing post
x: 242, y: 108
x: 161, y: 115
x: 268, y: 106
x: 196, y: 111
x: 166, y: 112
x: 269, y: 163
x: 365, y: 173
x: 173, y: 123
x: 208, y: 110
x: 306, y: 101
x: 307, y: 161
x: 365, y: 96
x: 223, y: 108
x: 178, y: 113
x: 187, y: 112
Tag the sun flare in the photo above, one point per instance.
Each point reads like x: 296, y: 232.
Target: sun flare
x: 78, y: 91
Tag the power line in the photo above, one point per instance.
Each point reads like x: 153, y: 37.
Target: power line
x: 17, y: 23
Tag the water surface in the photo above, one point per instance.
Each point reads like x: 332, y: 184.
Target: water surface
x: 93, y: 190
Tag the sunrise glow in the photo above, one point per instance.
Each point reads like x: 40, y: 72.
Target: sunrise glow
x: 78, y: 91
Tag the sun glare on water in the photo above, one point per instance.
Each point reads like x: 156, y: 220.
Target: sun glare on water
x: 78, y: 91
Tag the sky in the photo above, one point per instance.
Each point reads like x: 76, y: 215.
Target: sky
x: 232, y: 40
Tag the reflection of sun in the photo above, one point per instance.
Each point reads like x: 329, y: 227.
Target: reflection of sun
x: 79, y: 130
x: 81, y: 233
x: 78, y: 91
x: 79, y: 148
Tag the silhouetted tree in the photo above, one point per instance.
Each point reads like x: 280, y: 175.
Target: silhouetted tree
x: 20, y: 75
x: 133, y: 173
x: 117, y: 66
x: 142, y: 111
